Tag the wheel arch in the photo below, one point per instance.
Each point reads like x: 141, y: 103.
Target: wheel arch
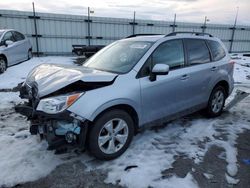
x: 225, y: 85
x: 127, y: 108
x: 5, y: 58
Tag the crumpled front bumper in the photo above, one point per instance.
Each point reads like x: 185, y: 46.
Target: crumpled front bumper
x: 59, y: 130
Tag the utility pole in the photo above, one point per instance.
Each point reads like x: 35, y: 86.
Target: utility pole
x: 134, y: 24
x: 205, y: 24
x: 234, y: 28
x: 34, y: 15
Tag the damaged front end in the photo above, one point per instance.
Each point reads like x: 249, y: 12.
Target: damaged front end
x: 50, y: 119
x: 50, y: 90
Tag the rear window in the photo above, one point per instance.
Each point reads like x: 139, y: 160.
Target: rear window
x: 216, y: 49
x: 198, y: 52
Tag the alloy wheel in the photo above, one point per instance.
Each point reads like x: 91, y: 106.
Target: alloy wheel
x: 113, y: 136
x: 217, y: 101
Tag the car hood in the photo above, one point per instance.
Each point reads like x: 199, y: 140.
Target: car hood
x: 52, y: 77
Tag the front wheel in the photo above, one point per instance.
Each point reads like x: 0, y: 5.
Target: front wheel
x: 3, y: 65
x: 111, y: 134
x: 216, y: 102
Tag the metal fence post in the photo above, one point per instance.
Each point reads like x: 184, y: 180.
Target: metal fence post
x: 233, y: 32
x: 174, y: 23
x: 34, y: 15
x: 232, y: 39
x: 134, y: 24
x: 88, y: 26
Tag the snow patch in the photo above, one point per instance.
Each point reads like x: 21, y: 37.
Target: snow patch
x: 187, y: 182
x: 22, y: 156
x: 231, y: 180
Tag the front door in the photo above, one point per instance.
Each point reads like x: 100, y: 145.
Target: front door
x: 167, y: 94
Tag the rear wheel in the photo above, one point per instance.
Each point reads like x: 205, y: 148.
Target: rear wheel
x: 111, y: 134
x: 216, y: 102
x: 30, y: 54
x: 3, y: 65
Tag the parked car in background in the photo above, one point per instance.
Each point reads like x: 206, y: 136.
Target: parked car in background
x: 14, y: 48
x: 131, y: 83
x: 87, y: 51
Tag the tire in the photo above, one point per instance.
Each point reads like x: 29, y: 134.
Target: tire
x: 30, y: 54
x: 3, y: 65
x: 104, y: 141
x: 216, y: 102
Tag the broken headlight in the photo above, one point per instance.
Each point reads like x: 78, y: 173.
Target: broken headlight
x: 57, y: 104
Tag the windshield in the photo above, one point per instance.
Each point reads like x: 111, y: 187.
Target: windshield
x: 119, y: 57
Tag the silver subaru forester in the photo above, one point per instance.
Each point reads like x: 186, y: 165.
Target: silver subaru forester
x: 138, y: 81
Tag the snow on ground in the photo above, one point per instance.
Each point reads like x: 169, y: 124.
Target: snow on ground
x: 190, y: 138
x: 16, y: 74
x: 24, y: 158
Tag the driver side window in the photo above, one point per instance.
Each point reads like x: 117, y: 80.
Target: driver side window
x: 8, y: 36
x: 170, y: 53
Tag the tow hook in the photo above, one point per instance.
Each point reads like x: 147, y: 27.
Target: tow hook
x: 70, y: 137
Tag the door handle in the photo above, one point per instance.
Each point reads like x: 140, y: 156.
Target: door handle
x: 213, y: 68
x: 184, y: 77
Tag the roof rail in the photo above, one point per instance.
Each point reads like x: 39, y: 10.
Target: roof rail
x: 187, y: 32
x: 137, y: 35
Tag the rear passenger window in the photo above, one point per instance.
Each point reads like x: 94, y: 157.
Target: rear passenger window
x: 216, y: 49
x: 198, y: 52
x: 170, y: 53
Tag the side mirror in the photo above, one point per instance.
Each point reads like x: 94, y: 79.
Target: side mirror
x: 8, y: 42
x: 158, y: 69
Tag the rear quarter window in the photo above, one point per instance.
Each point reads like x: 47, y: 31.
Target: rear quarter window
x: 216, y: 49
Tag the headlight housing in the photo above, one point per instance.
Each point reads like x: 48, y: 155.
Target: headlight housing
x: 57, y: 104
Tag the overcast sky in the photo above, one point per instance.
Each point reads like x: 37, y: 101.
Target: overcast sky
x: 217, y: 11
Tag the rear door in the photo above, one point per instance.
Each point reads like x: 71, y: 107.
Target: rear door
x: 200, y: 72
x: 21, y: 46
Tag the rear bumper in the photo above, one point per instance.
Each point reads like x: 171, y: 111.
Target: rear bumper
x: 231, y: 85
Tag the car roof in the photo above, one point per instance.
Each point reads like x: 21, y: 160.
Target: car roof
x: 5, y: 30
x: 147, y: 38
